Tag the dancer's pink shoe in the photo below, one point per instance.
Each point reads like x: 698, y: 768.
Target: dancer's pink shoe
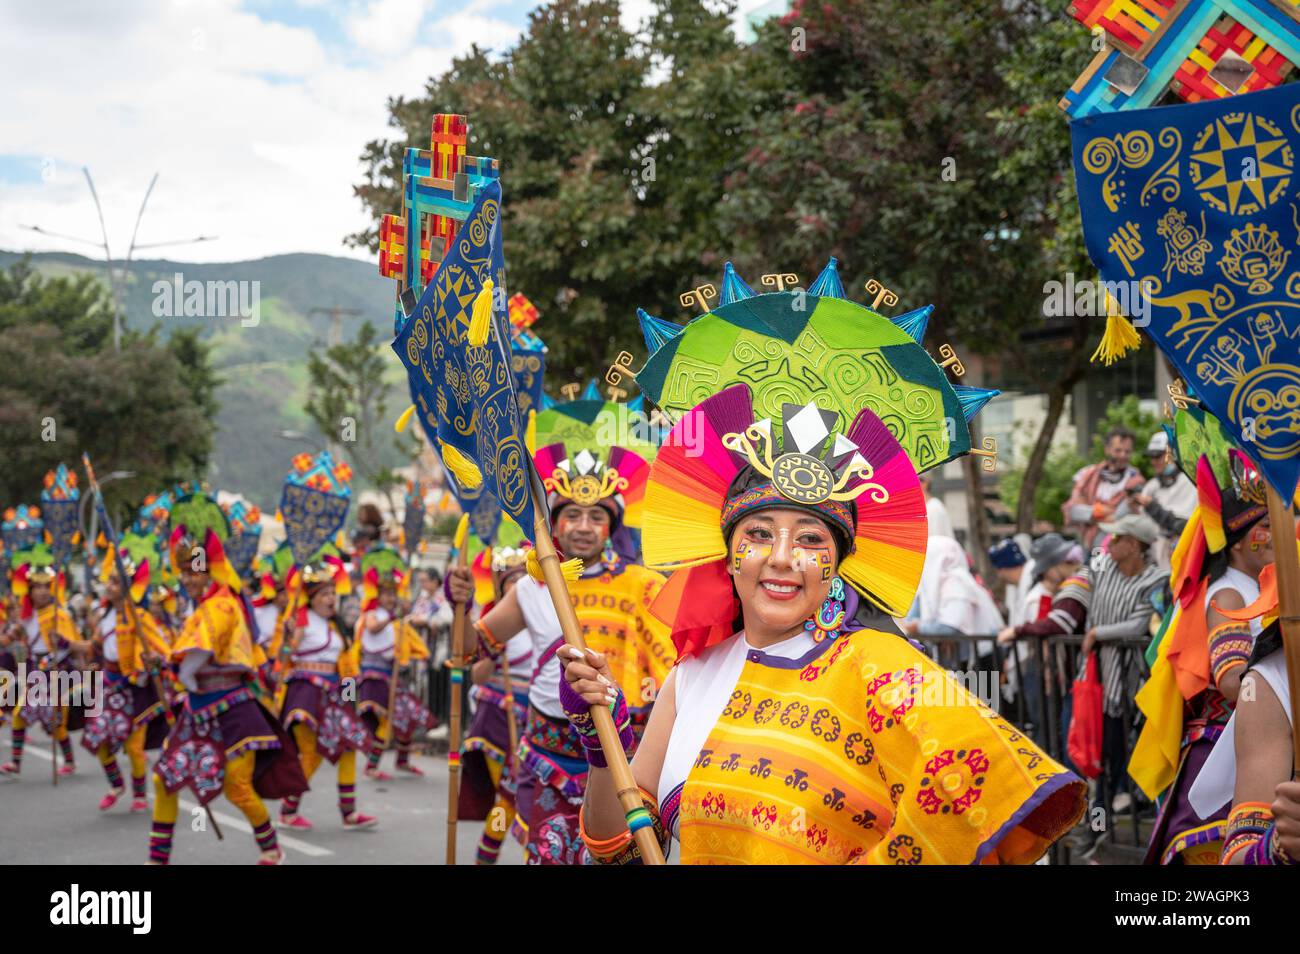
x: 296, y: 822
x: 359, y: 822
x: 109, y: 800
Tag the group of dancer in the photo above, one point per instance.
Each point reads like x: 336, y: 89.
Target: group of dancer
x: 242, y: 697
x: 738, y: 595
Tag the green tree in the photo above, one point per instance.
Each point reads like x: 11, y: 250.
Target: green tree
x: 65, y: 390
x: 614, y: 154
x: 921, y: 144
x: 347, y: 400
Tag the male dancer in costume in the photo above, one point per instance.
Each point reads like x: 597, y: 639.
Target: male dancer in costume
x: 385, y: 638
x: 318, y: 658
x: 499, y: 691
x: 223, y: 740
x: 588, y: 500
x: 131, y: 646
x: 44, y: 637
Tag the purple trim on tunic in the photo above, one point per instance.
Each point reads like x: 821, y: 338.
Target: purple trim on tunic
x: 1177, y: 818
x: 1031, y: 805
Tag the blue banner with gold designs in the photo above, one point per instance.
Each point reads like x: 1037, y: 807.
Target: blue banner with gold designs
x: 311, y: 518
x: 466, y: 395
x: 1197, y: 206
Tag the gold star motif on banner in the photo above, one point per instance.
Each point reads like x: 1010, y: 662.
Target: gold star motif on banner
x: 1241, y: 163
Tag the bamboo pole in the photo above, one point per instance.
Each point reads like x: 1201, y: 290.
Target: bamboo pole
x: 629, y: 795
x: 457, y: 666
x: 1287, y: 561
x: 510, y: 708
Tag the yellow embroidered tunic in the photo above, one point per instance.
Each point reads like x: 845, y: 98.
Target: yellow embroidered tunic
x: 218, y: 626
x: 51, y: 632
x: 124, y: 644
x: 613, y: 610
x: 853, y: 750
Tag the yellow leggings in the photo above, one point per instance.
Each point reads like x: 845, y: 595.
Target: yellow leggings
x: 134, y: 751
x: 498, y: 822
x: 310, y: 758
x: 238, y: 788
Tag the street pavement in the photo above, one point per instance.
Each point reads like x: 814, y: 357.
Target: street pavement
x: 41, y: 823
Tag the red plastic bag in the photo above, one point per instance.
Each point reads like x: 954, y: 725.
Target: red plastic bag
x: 1084, y: 741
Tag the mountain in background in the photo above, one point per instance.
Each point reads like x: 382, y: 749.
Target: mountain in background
x: 263, y: 368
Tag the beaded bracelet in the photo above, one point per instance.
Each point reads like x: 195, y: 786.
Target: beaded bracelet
x: 579, y: 712
x: 622, y: 848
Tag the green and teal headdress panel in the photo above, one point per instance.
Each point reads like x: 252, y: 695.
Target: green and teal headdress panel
x: 798, y: 346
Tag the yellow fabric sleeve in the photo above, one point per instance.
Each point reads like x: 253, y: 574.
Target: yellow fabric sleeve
x: 410, y: 644
x: 218, y: 626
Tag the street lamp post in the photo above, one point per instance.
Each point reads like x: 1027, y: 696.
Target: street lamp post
x: 114, y: 291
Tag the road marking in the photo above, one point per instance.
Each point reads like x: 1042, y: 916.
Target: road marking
x: 227, y: 821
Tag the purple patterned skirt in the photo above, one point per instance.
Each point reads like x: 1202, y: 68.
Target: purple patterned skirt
x: 488, y: 740
x: 126, y: 707
x: 214, y: 728
x: 411, y: 714
x: 1178, y: 827
x: 316, y: 702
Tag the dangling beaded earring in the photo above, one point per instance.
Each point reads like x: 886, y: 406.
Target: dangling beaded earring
x: 828, y: 620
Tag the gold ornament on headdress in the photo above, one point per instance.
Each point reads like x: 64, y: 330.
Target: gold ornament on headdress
x: 799, y: 477
x: 586, y: 489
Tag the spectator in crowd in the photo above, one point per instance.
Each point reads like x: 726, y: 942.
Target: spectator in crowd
x: 1124, y: 580
x: 936, y: 512
x: 1036, y: 584
x: 952, y: 604
x: 430, y: 608
x: 1060, y: 571
x: 1009, y: 561
x: 1100, y: 489
x: 1168, y: 498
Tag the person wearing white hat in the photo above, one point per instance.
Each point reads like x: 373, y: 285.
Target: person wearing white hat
x: 1168, y: 498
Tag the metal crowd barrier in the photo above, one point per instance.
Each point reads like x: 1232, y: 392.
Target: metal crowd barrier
x: 1058, y: 662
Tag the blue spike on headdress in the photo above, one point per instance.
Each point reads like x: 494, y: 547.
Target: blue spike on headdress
x: 972, y: 399
x: 828, y: 284
x: 656, y: 331
x: 734, y: 287
x: 637, y: 403
x: 591, y: 393
x: 914, y: 322
x: 548, y: 402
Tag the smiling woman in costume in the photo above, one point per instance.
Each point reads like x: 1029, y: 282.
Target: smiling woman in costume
x: 798, y: 726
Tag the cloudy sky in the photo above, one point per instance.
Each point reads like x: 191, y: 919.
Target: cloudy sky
x: 253, y: 112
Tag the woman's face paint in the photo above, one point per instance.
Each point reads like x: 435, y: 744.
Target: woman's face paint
x: 781, y: 562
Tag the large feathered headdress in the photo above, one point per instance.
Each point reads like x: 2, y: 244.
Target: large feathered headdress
x: 798, y: 399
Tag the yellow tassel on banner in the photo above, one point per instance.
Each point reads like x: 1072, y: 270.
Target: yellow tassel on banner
x: 462, y: 531
x: 1120, y: 337
x: 572, y: 569
x: 405, y: 419
x: 480, y: 322
x: 530, y: 432
x: 461, y: 467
